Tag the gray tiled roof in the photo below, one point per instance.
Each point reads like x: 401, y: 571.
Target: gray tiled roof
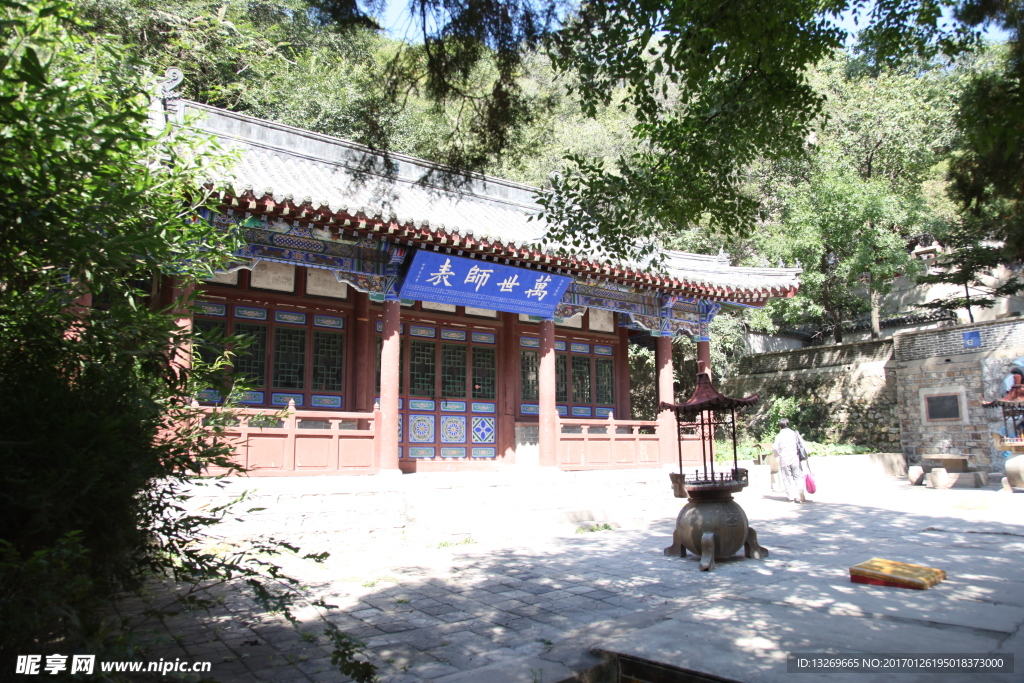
x: 296, y: 164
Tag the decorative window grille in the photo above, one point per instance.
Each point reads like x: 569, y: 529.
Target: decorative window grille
x: 484, y: 373
x: 379, y: 349
x: 328, y: 354
x: 605, y: 379
x: 422, y: 368
x: 581, y: 379
x: 529, y: 375
x: 561, y: 377
x: 453, y: 371
x: 251, y: 362
x: 206, y: 332
x: 289, y: 358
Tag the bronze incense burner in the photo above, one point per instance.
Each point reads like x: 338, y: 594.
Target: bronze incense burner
x: 712, y: 524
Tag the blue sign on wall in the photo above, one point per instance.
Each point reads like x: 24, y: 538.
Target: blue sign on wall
x: 972, y: 339
x: 446, y: 279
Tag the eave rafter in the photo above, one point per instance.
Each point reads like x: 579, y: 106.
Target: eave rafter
x: 359, y: 221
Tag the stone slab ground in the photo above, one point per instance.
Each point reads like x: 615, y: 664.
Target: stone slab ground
x: 530, y: 600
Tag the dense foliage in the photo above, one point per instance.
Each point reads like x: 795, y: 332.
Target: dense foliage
x: 94, y: 206
x: 99, y: 434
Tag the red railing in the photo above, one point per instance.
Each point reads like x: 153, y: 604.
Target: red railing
x: 599, y: 444
x: 305, y: 442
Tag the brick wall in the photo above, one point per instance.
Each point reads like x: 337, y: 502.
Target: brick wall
x: 921, y: 438
x: 937, y: 361
x: 949, y: 341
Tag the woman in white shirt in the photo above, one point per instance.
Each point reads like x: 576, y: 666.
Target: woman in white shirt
x: 790, y: 469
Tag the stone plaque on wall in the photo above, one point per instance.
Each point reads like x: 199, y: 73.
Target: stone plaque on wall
x: 575, y: 321
x: 481, y: 312
x: 433, y: 306
x: 601, y: 320
x: 321, y: 282
x: 943, y: 407
x: 270, y: 275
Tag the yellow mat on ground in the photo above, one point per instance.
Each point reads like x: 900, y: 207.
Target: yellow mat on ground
x: 879, y: 572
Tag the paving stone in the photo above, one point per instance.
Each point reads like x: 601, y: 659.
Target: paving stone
x: 395, y: 626
x: 485, y: 610
x: 432, y: 670
x: 452, y: 617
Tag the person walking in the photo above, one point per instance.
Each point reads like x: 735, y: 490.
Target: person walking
x: 788, y: 445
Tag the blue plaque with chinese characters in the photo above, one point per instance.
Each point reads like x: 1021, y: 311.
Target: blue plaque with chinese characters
x: 447, y: 279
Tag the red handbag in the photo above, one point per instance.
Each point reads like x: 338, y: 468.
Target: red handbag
x: 809, y: 483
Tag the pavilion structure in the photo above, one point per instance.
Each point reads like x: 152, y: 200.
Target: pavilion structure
x: 410, y: 326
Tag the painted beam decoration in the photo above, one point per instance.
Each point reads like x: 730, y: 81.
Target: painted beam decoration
x: 447, y: 279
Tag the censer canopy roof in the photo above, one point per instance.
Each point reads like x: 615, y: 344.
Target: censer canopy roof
x: 706, y: 397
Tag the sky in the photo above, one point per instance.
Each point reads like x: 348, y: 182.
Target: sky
x: 397, y: 22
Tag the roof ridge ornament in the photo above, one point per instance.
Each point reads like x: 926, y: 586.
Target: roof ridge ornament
x: 166, y: 106
x: 173, y: 77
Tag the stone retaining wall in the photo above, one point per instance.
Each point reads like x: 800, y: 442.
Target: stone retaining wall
x: 852, y: 387
x: 817, y: 357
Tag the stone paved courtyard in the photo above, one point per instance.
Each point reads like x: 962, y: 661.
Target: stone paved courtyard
x: 536, y: 604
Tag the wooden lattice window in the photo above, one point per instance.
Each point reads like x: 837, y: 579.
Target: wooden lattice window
x: 529, y: 364
x: 328, y: 354
x: 453, y: 371
x: 289, y: 358
x: 422, y: 368
x: 561, y: 377
x: 605, y: 381
x: 484, y: 373
x: 209, y: 339
x: 251, y: 361
x: 581, y: 379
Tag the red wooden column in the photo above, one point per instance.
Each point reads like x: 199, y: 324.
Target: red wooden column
x: 183, y: 320
x: 704, y: 357
x: 548, y: 411
x: 80, y: 309
x: 667, y: 429
x: 389, y: 370
x: 509, y: 369
x: 624, y: 410
x: 362, y: 361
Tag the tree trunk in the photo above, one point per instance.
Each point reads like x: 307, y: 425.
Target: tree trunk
x: 967, y: 295
x: 876, y: 315
x: 837, y: 329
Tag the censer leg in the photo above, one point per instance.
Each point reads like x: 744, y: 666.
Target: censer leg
x: 751, y: 548
x: 707, y: 551
x: 676, y: 549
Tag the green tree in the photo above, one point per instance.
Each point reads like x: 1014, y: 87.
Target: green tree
x: 714, y: 90
x: 96, y: 204
x: 846, y: 233
x: 986, y: 172
x: 848, y: 213
x: 99, y: 433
